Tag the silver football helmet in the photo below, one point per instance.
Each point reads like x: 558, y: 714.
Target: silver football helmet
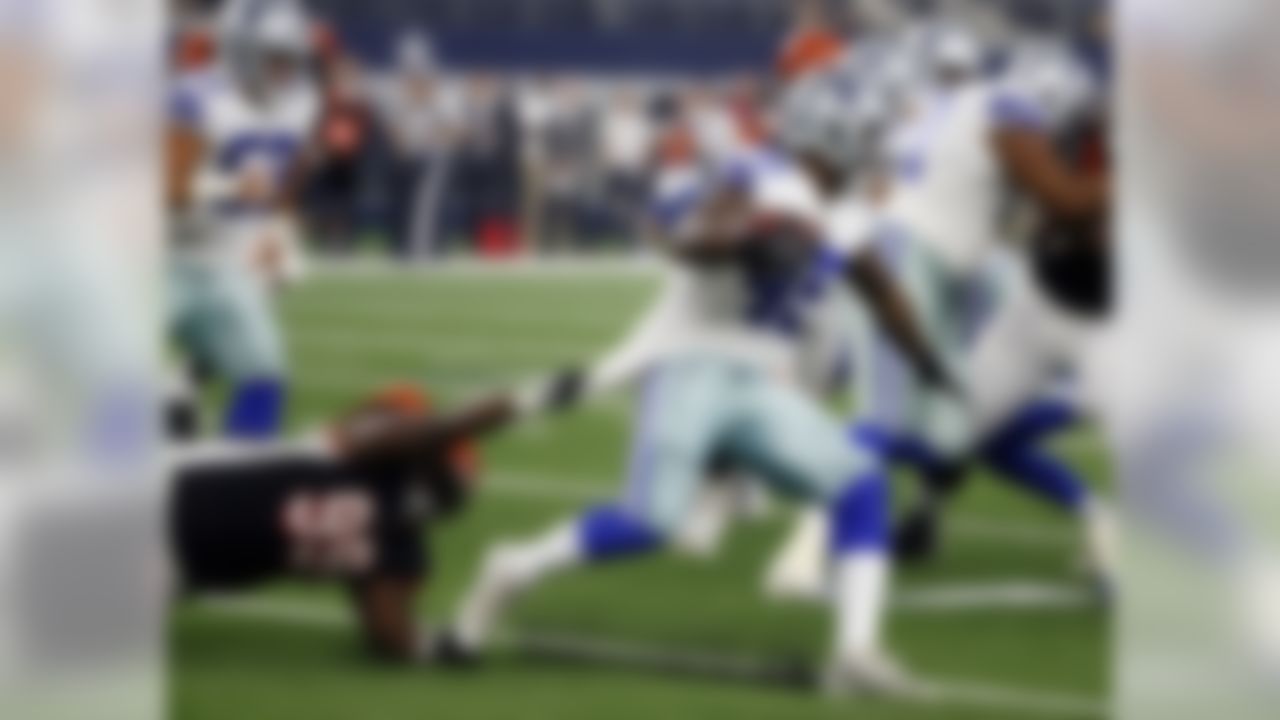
x: 837, y: 118
x: 263, y: 39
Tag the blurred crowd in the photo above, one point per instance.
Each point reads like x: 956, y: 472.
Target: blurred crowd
x: 428, y: 161
x: 423, y: 159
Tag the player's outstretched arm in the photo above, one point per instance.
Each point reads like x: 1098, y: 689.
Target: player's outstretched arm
x: 372, y: 436
x: 894, y: 314
x: 366, y: 434
x: 1034, y: 165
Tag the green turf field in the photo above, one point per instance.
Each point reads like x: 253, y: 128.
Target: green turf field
x: 995, y: 621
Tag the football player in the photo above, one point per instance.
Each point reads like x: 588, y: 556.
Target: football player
x: 942, y: 230
x: 237, y: 139
x: 352, y: 504
x: 756, y: 245
x: 1046, y: 136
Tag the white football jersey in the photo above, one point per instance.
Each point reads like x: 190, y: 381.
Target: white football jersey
x: 948, y: 187
x: 240, y: 137
x: 777, y: 322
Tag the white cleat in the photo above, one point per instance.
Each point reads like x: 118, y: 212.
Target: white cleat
x: 1099, y: 555
x: 800, y: 570
x: 792, y: 584
x: 500, y: 583
x: 871, y: 675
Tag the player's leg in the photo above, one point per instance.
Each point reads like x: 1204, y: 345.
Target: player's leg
x: 903, y: 421
x: 803, y: 450
x: 1013, y: 365
x: 729, y: 493
x: 249, y: 352
x: 680, y: 415
x: 186, y: 377
x: 1015, y: 450
x: 798, y: 570
x: 1008, y: 366
x: 1017, y: 453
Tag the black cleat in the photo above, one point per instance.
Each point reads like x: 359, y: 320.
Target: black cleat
x: 446, y: 650
x: 917, y: 536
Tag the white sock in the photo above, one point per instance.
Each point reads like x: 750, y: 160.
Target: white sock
x: 861, y: 603
x: 509, y: 570
x: 1100, y: 538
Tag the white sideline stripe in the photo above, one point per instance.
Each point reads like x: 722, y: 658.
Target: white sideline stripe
x: 955, y: 691
x: 943, y: 598
x: 586, y: 268
x: 538, y: 488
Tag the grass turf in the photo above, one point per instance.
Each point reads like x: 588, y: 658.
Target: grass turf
x: 458, y: 333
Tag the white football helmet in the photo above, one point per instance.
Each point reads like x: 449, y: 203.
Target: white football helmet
x: 253, y: 35
x: 953, y: 49
x: 835, y: 117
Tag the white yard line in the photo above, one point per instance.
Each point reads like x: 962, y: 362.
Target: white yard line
x: 953, y: 692
x: 1011, y: 594
x: 1023, y: 701
x: 531, y: 487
